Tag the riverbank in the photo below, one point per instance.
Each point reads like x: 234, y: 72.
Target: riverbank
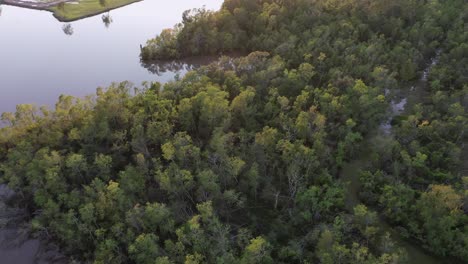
x: 86, y: 8
x: 35, y: 4
x: 72, y: 10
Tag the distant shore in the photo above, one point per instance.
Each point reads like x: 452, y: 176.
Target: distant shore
x: 67, y: 12
x: 35, y: 4
x: 64, y: 18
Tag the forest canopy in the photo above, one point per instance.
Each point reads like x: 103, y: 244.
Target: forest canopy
x: 243, y: 160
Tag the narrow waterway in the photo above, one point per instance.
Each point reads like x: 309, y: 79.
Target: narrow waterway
x: 401, y: 103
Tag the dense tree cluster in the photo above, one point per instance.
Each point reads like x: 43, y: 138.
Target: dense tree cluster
x: 203, y: 170
x: 240, y: 161
x: 338, y: 37
x: 422, y: 185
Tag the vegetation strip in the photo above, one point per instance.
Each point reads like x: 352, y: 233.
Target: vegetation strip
x: 72, y: 10
x: 41, y: 5
x: 87, y: 8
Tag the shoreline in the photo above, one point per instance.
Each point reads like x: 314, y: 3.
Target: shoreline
x: 35, y: 5
x: 65, y: 20
x: 49, y: 5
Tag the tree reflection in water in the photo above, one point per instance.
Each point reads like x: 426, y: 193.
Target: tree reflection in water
x: 107, y: 19
x: 177, y: 66
x: 67, y: 29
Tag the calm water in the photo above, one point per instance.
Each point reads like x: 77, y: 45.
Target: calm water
x: 38, y: 61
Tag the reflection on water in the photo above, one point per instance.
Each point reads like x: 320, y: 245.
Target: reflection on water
x: 178, y: 66
x: 16, y: 247
x: 67, y: 29
x: 404, y: 99
x: 107, y: 19
x: 161, y: 67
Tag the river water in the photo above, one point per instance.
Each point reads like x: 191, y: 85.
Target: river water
x: 39, y: 61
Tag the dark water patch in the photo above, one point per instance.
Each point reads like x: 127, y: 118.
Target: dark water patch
x: 13, y: 251
x: 17, y: 246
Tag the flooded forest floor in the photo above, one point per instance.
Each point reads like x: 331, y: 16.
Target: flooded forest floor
x: 401, y: 103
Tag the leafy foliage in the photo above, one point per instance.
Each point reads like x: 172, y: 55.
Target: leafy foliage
x: 240, y: 161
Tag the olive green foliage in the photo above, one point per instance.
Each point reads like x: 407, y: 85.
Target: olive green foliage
x: 202, y: 170
x: 421, y: 186
x: 239, y: 161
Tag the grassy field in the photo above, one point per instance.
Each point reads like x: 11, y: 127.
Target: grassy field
x: 84, y: 8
